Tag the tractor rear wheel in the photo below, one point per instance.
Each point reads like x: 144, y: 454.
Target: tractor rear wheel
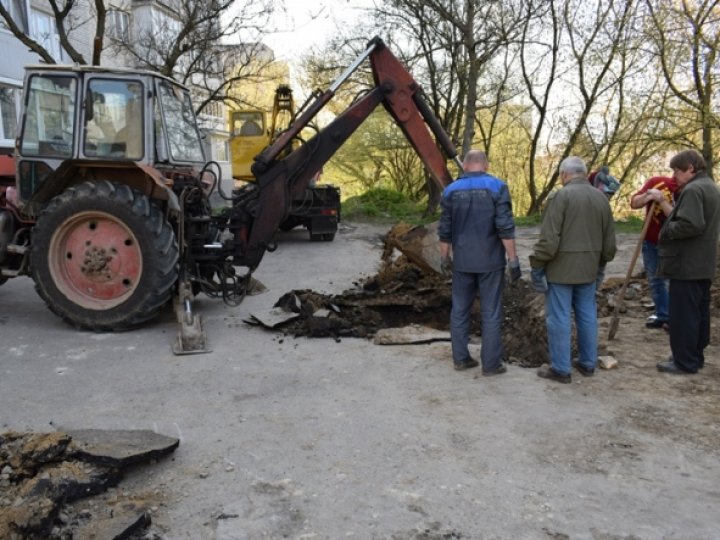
x: 103, y: 257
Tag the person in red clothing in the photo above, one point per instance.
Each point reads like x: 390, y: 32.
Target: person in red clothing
x: 651, y: 190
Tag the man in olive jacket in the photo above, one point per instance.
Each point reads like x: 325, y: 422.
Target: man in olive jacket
x: 577, y: 239
x: 687, y: 250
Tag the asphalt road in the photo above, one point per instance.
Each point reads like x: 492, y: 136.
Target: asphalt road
x: 324, y: 439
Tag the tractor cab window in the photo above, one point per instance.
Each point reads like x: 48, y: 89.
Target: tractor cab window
x: 114, y: 119
x: 49, y: 123
x: 247, y: 124
x: 180, y: 126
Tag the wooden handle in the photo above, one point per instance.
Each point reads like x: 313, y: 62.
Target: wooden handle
x: 638, y: 247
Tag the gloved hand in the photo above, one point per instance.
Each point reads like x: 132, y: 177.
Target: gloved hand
x: 538, y: 281
x: 514, y: 271
x: 446, y: 267
x: 600, y: 277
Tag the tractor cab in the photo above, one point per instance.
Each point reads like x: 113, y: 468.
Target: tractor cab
x: 95, y: 119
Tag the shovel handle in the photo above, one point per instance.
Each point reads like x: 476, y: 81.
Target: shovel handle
x: 638, y: 247
x: 615, y: 321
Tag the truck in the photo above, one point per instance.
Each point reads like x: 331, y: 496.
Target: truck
x: 109, y: 209
x: 317, y: 208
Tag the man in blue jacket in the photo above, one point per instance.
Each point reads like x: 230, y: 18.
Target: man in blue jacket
x: 477, y: 225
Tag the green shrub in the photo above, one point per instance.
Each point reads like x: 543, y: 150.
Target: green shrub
x: 388, y: 205
x: 384, y: 204
x: 528, y: 221
x: 631, y: 224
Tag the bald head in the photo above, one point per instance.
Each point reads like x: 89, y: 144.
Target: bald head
x: 475, y: 160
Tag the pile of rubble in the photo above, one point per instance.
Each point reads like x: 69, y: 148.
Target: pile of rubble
x: 47, y: 478
x: 408, y: 292
x: 409, y: 296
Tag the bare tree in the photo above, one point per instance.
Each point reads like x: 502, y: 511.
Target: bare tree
x: 539, y: 62
x: 581, y: 55
x: 686, y: 37
x: 192, y: 43
x: 63, y: 14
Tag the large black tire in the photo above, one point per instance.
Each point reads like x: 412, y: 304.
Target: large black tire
x: 103, y: 257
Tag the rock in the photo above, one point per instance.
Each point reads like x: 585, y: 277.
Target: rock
x: 54, y: 469
x: 273, y: 318
x: 123, y: 523
x: 607, y: 362
x: 411, y: 334
x: 120, y: 448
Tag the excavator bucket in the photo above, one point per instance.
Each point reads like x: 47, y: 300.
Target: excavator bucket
x: 419, y: 243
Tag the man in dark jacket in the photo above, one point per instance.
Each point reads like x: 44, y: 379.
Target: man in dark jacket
x: 477, y: 223
x: 687, y: 249
x: 577, y: 239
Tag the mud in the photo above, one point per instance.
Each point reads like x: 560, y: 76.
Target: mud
x: 408, y: 290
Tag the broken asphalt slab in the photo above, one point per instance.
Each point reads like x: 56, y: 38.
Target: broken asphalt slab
x: 43, y: 473
x: 120, y: 448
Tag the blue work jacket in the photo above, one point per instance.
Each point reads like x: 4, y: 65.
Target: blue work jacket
x: 476, y: 216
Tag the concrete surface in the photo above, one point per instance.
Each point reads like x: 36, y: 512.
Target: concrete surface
x: 318, y: 439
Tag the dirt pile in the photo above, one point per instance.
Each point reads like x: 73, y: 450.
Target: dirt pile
x: 47, y: 478
x: 409, y: 290
x: 401, y: 295
x: 405, y: 293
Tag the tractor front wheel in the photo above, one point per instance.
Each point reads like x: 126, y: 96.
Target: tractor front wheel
x: 103, y: 257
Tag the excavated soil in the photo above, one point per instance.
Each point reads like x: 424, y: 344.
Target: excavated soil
x: 404, y: 293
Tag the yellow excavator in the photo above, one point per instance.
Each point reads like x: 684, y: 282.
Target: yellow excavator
x: 318, y: 207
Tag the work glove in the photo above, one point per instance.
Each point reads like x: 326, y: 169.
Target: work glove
x: 514, y: 269
x: 446, y: 267
x: 538, y: 281
x: 600, y: 277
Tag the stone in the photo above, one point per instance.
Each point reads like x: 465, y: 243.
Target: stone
x: 120, y: 448
x: 607, y: 362
x: 123, y: 523
x: 411, y: 334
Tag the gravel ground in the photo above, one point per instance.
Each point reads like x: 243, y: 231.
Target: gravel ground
x: 325, y: 439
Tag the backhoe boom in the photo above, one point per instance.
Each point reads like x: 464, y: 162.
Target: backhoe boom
x: 400, y: 94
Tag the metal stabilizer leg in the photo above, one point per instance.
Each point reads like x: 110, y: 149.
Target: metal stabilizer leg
x: 191, y: 338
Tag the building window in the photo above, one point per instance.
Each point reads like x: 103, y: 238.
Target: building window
x: 117, y: 25
x: 45, y: 33
x: 221, y: 150
x: 17, y: 11
x: 213, y: 109
x: 9, y: 98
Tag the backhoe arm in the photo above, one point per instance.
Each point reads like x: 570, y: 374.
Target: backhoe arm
x: 279, y: 179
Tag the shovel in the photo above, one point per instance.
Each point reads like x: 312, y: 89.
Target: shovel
x: 620, y: 299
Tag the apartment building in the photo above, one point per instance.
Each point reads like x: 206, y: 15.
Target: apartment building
x: 125, y: 19
x: 35, y: 20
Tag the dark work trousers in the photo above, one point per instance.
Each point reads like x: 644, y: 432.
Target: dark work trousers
x: 489, y: 288
x: 689, y: 322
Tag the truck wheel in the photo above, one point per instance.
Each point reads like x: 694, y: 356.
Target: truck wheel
x: 328, y: 237
x: 103, y: 257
